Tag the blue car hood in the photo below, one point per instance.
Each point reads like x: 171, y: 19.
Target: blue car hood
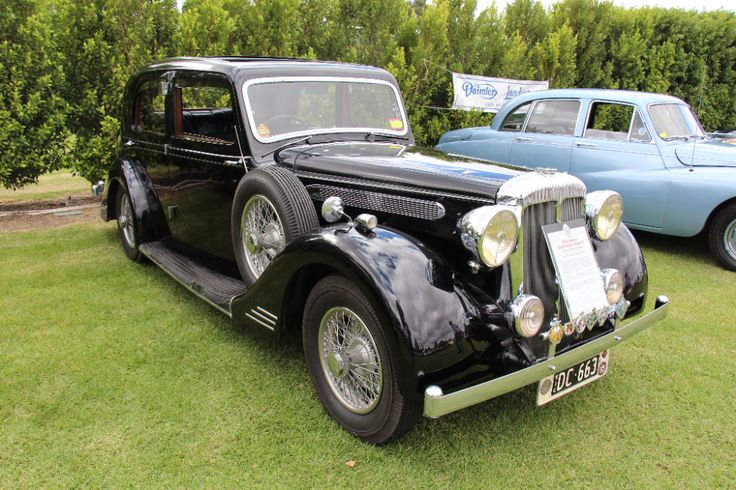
x: 707, y: 153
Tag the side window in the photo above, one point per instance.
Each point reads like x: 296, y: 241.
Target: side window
x: 609, y: 121
x: 554, y: 117
x: 639, y: 131
x: 515, y: 120
x: 149, y: 108
x: 203, y: 111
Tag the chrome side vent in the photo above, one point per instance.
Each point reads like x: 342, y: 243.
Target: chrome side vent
x: 263, y: 317
x: 385, y: 203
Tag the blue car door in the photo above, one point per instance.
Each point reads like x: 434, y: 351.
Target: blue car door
x: 616, y: 152
x: 547, y: 137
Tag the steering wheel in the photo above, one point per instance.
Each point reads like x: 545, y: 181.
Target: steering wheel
x: 292, y: 119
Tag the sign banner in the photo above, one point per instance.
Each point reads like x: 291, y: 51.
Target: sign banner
x: 489, y: 94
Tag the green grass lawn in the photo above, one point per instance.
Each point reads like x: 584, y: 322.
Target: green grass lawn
x: 112, y: 375
x: 54, y: 185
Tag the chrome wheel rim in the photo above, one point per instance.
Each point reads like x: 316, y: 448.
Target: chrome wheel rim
x: 126, y: 222
x: 263, y: 233
x: 350, y: 360
x: 729, y: 239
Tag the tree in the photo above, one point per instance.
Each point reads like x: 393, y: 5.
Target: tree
x: 33, y: 137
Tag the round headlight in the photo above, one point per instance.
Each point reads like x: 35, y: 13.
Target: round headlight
x: 604, y: 210
x: 528, y: 312
x: 490, y: 233
x: 613, y: 283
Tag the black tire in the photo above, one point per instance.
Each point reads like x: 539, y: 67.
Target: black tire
x: 127, y: 225
x: 391, y: 413
x: 722, y: 237
x: 287, y: 196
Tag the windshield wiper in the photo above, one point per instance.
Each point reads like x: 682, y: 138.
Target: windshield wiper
x: 372, y: 137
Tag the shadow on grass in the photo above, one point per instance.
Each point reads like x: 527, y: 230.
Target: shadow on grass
x: 695, y: 248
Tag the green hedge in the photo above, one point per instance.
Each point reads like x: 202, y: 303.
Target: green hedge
x: 65, y: 62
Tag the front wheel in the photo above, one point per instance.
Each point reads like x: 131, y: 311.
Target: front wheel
x: 352, y: 366
x: 722, y: 237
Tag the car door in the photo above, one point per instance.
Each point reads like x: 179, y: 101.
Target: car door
x: 616, y: 152
x: 204, y: 162
x: 547, y: 137
x: 149, y: 125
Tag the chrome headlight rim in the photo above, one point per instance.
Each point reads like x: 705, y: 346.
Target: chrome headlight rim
x: 613, y: 285
x: 601, y: 206
x: 475, y: 229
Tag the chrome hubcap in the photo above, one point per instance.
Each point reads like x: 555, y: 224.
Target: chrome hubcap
x: 126, y: 222
x: 350, y: 360
x: 263, y: 233
x: 729, y: 239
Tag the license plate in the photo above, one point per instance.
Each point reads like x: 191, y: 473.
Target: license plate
x: 572, y: 378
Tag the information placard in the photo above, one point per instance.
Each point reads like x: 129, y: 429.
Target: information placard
x: 577, y: 269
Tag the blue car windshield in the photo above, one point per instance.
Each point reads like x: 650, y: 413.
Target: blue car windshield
x: 673, y: 121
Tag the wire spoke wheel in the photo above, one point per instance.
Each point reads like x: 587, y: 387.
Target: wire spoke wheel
x: 262, y: 232
x: 729, y: 239
x: 126, y: 221
x: 350, y: 360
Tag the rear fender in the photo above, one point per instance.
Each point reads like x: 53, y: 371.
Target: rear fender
x: 150, y: 217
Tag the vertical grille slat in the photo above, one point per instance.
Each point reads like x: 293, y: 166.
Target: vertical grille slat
x: 539, y: 274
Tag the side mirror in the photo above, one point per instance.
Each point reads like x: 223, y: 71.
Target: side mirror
x: 333, y: 209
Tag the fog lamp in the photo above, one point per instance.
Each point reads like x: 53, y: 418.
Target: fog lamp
x: 528, y: 312
x: 613, y: 283
x: 603, y: 211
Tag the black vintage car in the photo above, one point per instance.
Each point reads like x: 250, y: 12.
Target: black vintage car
x: 289, y: 195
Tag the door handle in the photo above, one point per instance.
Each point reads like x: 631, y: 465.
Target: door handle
x: 522, y: 138
x: 580, y: 144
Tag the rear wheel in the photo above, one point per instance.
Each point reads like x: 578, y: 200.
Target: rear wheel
x: 352, y: 366
x: 127, y: 226
x: 722, y: 237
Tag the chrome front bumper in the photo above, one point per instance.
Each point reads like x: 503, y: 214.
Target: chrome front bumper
x: 437, y: 404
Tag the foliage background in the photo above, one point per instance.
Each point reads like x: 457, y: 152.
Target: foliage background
x: 63, y: 63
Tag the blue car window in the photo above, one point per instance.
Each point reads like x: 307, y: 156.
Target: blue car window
x: 639, y: 131
x: 554, y: 117
x: 609, y: 121
x: 515, y: 120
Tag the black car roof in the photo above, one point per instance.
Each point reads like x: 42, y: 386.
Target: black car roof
x: 247, y: 67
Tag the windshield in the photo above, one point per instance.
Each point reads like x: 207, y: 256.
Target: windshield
x: 675, y: 121
x: 287, y: 107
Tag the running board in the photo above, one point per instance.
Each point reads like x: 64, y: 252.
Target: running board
x: 215, y: 288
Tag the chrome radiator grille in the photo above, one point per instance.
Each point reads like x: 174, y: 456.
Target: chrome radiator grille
x: 538, y: 270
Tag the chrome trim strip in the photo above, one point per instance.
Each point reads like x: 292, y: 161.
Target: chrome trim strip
x: 437, y: 404
x: 187, y: 286
x: 266, y: 312
x: 263, y: 317
x: 248, y: 315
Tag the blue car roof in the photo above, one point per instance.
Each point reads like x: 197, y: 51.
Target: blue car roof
x: 629, y: 96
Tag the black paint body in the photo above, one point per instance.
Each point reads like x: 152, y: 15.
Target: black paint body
x: 451, y: 325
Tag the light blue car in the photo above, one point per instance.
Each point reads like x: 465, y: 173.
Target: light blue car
x: 650, y: 148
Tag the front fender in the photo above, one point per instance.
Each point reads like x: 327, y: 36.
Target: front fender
x: 429, y: 311
x: 622, y: 252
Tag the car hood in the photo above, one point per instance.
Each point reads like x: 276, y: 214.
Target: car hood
x: 707, y: 153
x: 404, y: 165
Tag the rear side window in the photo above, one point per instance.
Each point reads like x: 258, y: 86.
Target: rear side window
x: 149, y: 108
x: 554, y: 117
x: 203, y: 110
x: 515, y: 120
